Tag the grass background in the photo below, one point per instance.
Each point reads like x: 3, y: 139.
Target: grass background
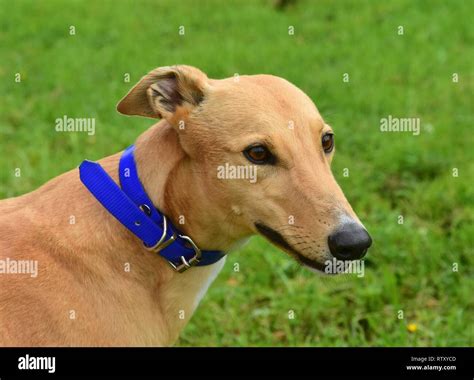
x: 409, y: 267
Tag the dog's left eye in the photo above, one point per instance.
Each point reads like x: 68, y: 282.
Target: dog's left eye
x: 328, y: 142
x: 259, y: 154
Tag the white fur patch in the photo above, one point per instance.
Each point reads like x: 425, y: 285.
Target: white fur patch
x: 204, y: 285
x: 214, y: 270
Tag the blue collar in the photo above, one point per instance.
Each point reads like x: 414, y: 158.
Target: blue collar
x: 132, y: 207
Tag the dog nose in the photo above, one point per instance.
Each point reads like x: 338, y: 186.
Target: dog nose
x: 349, y: 242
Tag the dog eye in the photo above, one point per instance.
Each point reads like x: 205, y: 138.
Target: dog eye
x: 259, y: 154
x: 328, y: 142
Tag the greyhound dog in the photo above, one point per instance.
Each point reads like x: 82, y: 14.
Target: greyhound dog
x: 103, y: 274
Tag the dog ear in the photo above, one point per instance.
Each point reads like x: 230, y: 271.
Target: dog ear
x: 164, y: 91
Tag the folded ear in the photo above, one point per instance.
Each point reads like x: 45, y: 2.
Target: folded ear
x: 164, y: 91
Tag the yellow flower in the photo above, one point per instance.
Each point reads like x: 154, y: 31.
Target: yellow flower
x: 411, y: 327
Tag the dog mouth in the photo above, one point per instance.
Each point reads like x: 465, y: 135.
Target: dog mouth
x: 276, y: 238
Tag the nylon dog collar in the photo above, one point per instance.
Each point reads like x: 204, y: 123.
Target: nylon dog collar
x: 132, y: 207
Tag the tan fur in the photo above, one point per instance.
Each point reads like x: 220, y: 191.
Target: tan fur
x: 81, y: 265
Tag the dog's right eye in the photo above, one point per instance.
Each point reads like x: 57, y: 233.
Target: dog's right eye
x: 328, y: 142
x: 259, y: 154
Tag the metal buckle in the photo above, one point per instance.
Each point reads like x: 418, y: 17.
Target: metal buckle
x: 162, y: 243
x: 185, y: 264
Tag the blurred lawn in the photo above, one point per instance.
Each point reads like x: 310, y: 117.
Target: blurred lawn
x: 409, y: 267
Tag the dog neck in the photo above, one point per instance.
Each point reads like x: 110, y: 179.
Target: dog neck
x: 180, y: 190
x: 177, y: 191
x: 159, y: 300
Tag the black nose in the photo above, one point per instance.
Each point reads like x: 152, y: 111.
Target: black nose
x: 349, y: 242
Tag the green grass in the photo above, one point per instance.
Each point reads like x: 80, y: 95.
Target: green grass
x: 409, y: 267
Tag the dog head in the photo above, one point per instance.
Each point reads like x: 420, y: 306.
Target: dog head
x: 259, y: 154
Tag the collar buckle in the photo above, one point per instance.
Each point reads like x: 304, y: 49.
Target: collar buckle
x: 162, y: 243
x: 186, y: 264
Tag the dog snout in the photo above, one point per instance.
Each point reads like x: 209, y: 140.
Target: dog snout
x: 349, y: 242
